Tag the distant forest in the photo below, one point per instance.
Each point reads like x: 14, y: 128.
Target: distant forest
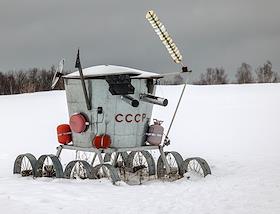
x: 33, y: 80
x: 27, y: 81
x: 244, y: 74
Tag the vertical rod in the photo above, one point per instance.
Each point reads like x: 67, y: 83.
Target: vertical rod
x: 103, y: 168
x: 176, y: 109
x: 79, y: 66
x: 59, y: 149
x: 93, y: 158
x: 115, y: 158
x: 84, y: 88
x: 163, y: 157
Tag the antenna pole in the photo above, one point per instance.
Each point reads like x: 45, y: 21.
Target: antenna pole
x: 178, y: 104
x: 78, y: 65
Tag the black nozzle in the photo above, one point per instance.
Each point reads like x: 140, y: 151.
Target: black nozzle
x: 135, y: 103
x: 130, y: 100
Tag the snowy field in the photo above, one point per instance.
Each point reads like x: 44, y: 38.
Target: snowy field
x: 235, y: 128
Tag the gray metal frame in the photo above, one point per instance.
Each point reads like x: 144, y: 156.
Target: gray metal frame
x: 109, y: 150
x: 98, y: 152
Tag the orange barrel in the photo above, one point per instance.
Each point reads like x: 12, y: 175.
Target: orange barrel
x: 78, y: 123
x: 102, y: 141
x: 64, y: 134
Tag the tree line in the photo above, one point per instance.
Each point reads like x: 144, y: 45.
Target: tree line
x: 244, y: 74
x: 34, y: 79
x: 27, y: 81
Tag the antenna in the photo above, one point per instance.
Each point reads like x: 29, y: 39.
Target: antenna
x: 174, y: 53
x: 164, y: 37
x: 79, y: 66
x: 58, y: 74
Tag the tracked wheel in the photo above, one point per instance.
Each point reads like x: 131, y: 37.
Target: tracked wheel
x: 197, y: 166
x: 139, y: 167
x: 78, y: 169
x: 49, y: 166
x: 25, y: 165
x: 106, y: 171
x: 176, y: 165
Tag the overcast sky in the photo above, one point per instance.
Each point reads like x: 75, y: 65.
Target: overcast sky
x: 212, y: 33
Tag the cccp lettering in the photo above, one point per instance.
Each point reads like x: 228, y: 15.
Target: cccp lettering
x: 129, y: 118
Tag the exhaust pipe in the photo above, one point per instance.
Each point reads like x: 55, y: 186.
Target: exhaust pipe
x: 130, y: 100
x: 149, y: 98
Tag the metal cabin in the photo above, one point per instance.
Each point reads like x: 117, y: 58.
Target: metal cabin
x: 123, y: 118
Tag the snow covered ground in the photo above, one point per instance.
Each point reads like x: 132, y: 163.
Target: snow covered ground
x: 234, y: 127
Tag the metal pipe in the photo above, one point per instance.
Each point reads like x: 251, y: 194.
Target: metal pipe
x: 59, y: 150
x: 178, y: 104
x: 130, y: 100
x: 79, y: 66
x: 149, y: 98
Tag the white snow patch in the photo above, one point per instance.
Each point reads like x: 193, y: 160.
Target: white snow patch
x: 234, y: 127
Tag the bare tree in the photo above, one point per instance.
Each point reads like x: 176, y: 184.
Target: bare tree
x: 32, y: 80
x: 10, y: 83
x: 213, y: 76
x: 21, y: 81
x: 244, y: 74
x: 2, y: 83
x: 265, y: 73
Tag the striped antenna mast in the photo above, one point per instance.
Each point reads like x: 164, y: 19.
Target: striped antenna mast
x: 164, y: 36
x: 174, y: 53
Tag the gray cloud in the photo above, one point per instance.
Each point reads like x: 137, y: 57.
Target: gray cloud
x: 208, y: 33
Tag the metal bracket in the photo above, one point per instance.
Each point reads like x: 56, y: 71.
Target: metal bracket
x: 59, y: 150
x: 163, y: 156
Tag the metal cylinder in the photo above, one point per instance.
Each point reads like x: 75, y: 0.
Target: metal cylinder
x: 130, y: 100
x: 153, y: 99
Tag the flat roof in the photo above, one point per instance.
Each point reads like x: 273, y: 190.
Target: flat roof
x: 100, y: 71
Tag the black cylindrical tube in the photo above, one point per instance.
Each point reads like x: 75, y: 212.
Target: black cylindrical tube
x: 130, y: 100
x: 153, y: 99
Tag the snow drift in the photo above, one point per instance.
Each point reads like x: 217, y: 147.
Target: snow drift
x: 234, y: 127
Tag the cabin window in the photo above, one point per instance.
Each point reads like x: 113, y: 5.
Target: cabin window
x: 120, y: 84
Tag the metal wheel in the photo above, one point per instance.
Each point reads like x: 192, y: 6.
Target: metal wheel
x: 140, y: 166
x: 78, y: 169
x: 25, y: 165
x: 175, y: 163
x: 106, y: 171
x: 197, y: 166
x: 116, y: 159
x: 48, y: 166
x: 89, y: 157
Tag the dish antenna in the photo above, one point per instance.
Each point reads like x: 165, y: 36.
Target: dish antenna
x: 58, y: 74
